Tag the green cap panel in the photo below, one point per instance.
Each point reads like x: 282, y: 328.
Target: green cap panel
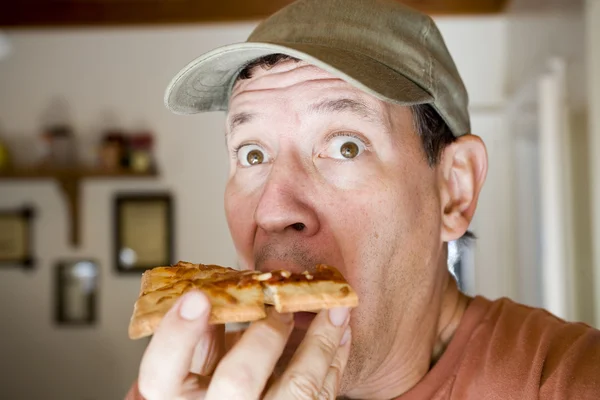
x: 381, y: 46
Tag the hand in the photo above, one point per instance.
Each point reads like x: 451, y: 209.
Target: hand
x: 185, y: 349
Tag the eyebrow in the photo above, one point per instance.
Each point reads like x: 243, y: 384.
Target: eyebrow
x: 346, y: 105
x: 239, y: 119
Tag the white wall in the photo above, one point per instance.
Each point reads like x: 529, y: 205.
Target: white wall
x: 479, y: 46
x: 492, y: 223
x: 533, y: 38
x: 120, y: 75
x: 593, y: 77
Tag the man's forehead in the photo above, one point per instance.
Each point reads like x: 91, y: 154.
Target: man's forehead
x: 329, y: 94
x: 283, y: 74
x: 321, y: 96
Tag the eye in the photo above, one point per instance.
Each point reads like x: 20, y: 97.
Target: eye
x: 344, y: 147
x: 251, y: 154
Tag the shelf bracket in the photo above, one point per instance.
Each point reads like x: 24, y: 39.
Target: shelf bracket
x: 70, y: 189
x: 69, y: 181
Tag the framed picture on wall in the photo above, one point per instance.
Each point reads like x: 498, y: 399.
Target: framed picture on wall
x: 16, y: 232
x: 76, y: 292
x: 144, y: 233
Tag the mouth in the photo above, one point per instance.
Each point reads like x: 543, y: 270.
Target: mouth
x: 271, y: 266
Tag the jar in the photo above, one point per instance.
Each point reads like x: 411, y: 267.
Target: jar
x: 112, y: 151
x: 140, y: 156
x: 61, y: 146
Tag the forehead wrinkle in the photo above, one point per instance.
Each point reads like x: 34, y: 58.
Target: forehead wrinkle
x: 280, y: 77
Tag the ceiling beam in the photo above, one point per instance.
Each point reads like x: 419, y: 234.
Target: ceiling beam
x: 61, y: 13
x: 457, y: 7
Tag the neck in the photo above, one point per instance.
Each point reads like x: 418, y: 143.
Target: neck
x: 453, y: 308
x: 397, y: 375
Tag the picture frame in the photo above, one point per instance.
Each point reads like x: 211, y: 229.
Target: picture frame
x: 76, y: 292
x: 16, y: 237
x: 143, y: 231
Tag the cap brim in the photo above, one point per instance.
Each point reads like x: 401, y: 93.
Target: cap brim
x: 205, y: 83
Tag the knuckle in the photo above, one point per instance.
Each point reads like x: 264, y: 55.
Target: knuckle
x: 326, y: 343
x: 329, y: 390
x: 326, y: 394
x: 303, y: 387
x: 235, y: 383
x: 336, y: 370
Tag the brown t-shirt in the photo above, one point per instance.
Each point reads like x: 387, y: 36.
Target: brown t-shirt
x: 503, y: 350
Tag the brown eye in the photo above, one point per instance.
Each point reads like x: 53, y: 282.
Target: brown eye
x: 255, y: 157
x: 252, y: 154
x: 349, y: 150
x: 344, y: 147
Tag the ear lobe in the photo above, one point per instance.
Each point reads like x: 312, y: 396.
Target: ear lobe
x: 463, y: 169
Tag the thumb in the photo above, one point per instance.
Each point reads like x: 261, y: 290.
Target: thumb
x: 167, y: 360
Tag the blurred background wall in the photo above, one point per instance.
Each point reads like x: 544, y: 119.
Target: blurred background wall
x: 117, y: 75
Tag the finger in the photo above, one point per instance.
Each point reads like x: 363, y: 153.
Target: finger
x: 209, y: 350
x: 194, y: 387
x: 333, y: 379
x: 244, y: 371
x: 304, y: 377
x: 167, y: 360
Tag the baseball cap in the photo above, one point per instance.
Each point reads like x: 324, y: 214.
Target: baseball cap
x: 382, y: 47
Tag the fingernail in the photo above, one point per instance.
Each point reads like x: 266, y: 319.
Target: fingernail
x: 193, y: 306
x: 346, y: 337
x: 338, y: 315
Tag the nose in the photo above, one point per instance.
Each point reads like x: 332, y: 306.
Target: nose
x: 283, y: 207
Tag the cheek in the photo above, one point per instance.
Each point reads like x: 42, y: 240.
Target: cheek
x: 363, y: 225
x: 384, y: 232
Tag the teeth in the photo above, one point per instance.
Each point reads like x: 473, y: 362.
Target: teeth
x: 308, y: 276
x: 286, y: 274
x: 263, y: 277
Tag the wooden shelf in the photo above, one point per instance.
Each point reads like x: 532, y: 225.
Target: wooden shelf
x: 77, y: 172
x: 69, y: 180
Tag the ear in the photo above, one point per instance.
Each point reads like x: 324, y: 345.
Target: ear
x: 462, y: 171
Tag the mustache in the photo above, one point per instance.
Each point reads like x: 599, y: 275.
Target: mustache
x: 292, y: 256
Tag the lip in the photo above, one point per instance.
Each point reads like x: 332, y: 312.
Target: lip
x: 302, y: 320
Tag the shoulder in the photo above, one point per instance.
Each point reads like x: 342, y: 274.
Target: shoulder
x: 549, y: 355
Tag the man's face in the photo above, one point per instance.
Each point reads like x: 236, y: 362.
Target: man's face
x: 322, y: 172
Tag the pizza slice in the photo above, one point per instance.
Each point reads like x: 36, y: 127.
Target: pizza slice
x: 237, y: 296
x: 234, y: 295
x: 308, y: 291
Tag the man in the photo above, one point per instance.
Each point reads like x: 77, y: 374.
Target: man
x: 350, y: 144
